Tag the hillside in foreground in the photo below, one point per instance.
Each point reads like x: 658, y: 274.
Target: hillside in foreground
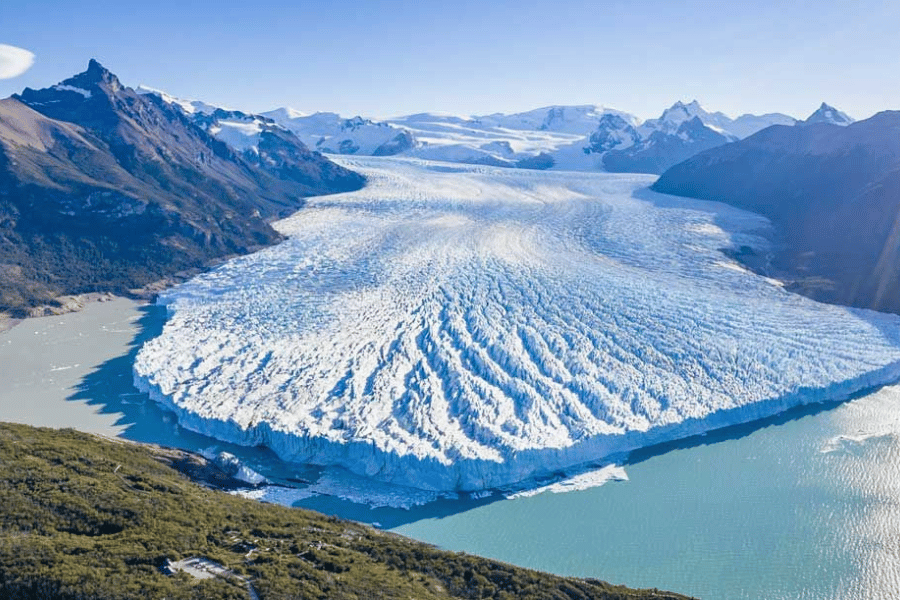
x: 86, y: 517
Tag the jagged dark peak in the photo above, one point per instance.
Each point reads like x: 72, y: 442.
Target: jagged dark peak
x: 87, y: 98
x: 94, y: 77
x: 354, y: 123
x: 692, y: 124
x: 97, y: 73
x: 692, y: 104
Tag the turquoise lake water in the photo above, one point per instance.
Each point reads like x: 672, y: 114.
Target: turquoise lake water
x: 805, y: 506
x: 802, y: 507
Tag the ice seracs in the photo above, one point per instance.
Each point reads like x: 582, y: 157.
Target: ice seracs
x: 455, y: 327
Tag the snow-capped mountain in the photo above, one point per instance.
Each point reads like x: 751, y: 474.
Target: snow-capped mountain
x: 560, y: 119
x: 672, y: 118
x: 555, y: 137
x: 330, y: 133
x: 88, y: 160
x: 188, y: 106
x: 738, y: 128
x: 829, y: 114
x: 666, y: 146
x: 683, y: 130
x: 558, y: 137
x: 239, y: 130
x: 613, y: 132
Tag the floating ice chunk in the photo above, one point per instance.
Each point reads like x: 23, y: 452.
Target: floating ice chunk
x: 582, y: 481
x: 854, y: 444
x: 232, y: 466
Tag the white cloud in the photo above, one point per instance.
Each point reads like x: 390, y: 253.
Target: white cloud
x: 14, y: 61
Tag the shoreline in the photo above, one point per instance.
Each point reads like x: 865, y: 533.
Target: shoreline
x: 66, y: 304
x: 147, y: 294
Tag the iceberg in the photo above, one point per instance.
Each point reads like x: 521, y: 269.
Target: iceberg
x: 462, y: 328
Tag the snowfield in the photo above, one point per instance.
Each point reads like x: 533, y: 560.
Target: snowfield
x: 457, y: 327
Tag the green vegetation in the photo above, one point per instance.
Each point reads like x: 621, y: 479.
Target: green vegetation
x: 85, y: 517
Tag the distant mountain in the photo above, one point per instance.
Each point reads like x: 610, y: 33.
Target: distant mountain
x: 829, y: 114
x: 102, y: 188
x: 673, y: 117
x: 329, y: 132
x: 683, y: 130
x: 578, y: 119
x: 739, y: 128
x: 664, y: 147
x: 833, y: 194
x: 577, y: 137
x: 747, y: 124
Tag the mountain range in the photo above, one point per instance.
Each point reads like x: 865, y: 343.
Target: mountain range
x: 572, y: 138
x: 579, y: 138
x: 832, y: 194
x: 105, y: 189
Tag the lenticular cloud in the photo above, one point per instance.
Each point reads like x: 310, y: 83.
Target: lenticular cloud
x: 462, y: 327
x: 14, y: 61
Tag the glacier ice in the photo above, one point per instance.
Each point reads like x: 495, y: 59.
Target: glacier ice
x: 458, y: 327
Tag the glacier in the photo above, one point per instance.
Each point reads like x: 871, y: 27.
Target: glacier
x: 457, y: 328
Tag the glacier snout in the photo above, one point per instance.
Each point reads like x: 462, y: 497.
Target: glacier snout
x: 467, y: 328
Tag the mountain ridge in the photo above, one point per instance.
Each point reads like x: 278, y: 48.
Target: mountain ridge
x: 833, y: 194
x: 87, y: 160
x: 584, y: 137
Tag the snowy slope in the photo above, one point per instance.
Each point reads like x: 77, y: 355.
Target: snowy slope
x: 501, y: 140
x: 331, y: 133
x: 461, y: 327
x: 189, y: 106
x: 746, y: 125
x: 239, y: 130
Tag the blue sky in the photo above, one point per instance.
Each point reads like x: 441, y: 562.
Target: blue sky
x: 391, y: 57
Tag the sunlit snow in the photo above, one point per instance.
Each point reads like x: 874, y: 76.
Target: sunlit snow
x: 464, y: 327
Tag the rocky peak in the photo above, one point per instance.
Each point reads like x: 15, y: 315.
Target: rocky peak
x: 97, y: 74
x: 829, y: 114
x: 91, y: 98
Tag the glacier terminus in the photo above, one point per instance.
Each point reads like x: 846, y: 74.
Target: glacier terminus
x: 464, y: 327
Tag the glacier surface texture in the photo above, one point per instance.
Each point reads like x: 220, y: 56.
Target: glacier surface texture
x: 455, y: 327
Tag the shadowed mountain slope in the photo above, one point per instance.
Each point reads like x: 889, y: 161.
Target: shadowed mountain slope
x: 103, y: 189
x: 832, y: 193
